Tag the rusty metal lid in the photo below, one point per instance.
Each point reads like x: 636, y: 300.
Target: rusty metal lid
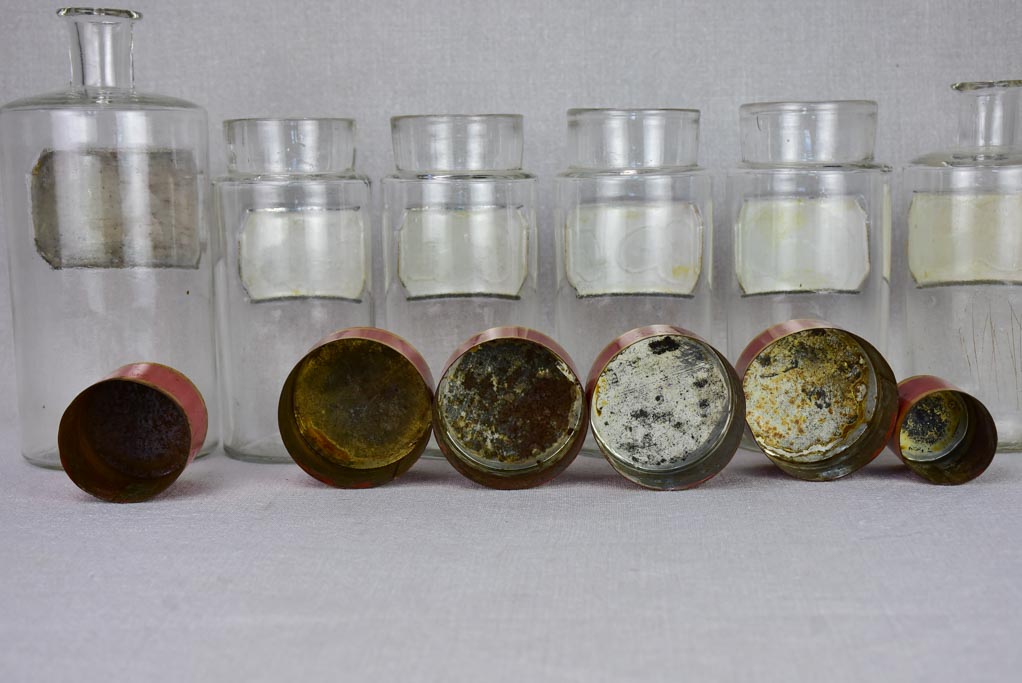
x: 128, y: 437
x: 820, y: 401
x: 510, y: 410
x: 667, y: 408
x: 355, y: 411
x: 942, y: 433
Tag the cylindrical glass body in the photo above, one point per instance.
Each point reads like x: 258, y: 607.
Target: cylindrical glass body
x: 808, y: 217
x: 296, y: 264
x: 459, y: 228
x: 104, y: 198
x: 633, y: 227
x: 960, y: 257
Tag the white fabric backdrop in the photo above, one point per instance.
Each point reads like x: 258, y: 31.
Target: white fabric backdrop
x: 257, y: 572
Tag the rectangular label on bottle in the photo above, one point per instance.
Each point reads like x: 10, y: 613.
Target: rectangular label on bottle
x: 634, y: 248
x: 797, y: 244
x: 480, y: 251
x: 965, y: 238
x: 286, y: 254
x: 102, y: 208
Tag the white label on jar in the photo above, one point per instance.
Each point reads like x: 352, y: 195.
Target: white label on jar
x: 965, y: 237
x: 285, y: 254
x: 480, y: 251
x: 105, y: 208
x: 795, y: 244
x: 634, y: 248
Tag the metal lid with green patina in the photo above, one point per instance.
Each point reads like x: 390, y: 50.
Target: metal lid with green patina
x: 510, y: 410
x: 942, y: 433
x: 355, y: 411
x: 820, y: 401
x: 667, y: 408
x: 128, y: 437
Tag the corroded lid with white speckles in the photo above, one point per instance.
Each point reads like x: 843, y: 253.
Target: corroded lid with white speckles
x: 820, y: 401
x: 667, y: 408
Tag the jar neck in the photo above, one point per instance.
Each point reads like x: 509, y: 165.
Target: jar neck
x: 632, y: 139
x: 813, y: 133
x: 458, y: 144
x: 988, y: 115
x: 290, y: 146
x: 100, y: 47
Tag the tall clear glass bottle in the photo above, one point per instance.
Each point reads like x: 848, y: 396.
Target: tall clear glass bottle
x: 459, y: 227
x: 634, y: 219
x: 294, y: 217
x: 808, y: 221
x: 961, y: 274
x: 104, y: 194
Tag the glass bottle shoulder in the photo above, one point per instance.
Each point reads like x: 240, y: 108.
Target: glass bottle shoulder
x: 473, y: 176
x: 90, y: 99
x: 976, y: 158
x: 748, y: 168
x: 671, y: 171
x: 281, y: 180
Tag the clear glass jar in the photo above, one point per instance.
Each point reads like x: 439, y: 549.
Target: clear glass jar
x: 809, y: 221
x: 294, y: 217
x: 961, y: 273
x: 459, y: 228
x: 634, y: 217
x: 104, y: 194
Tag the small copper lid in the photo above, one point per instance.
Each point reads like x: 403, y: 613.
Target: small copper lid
x: 130, y: 436
x: 820, y: 401
x: 942, y: 433
x: 510, y: 410
x: 667, y: 408
x: 355, y: 411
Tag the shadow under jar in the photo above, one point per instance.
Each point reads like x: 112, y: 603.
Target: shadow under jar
x: 294, y: 216
x: 808, y: 221
x: 104, y: 195
x: 961, y: 277
x: 634, y: 221
x: 459, y: 227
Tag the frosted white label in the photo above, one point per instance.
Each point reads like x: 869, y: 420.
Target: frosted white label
x: 632, y: 248
x: 462, y: 252
x: 802, y: 245
x: 102, y: 208
x: 309, y: 253
x: 955, y: 238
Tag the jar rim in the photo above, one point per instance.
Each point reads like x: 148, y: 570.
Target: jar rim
x: 455, y: 117
x: 626, y: 112
x: 809, y: 106
x: 289, y: 119
x: 74, y: 12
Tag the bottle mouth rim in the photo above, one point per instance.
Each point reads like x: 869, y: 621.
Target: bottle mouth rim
x: 970, y: 86
x: 809, y: 106
x: 104, y: 12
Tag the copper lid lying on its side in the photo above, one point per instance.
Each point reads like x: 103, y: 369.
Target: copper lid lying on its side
x: 943, y: 434
x: 820, y: 401
x: 510, y: 411
x: 130, y: 436
x: 355, y: 411
x: 667, y: 408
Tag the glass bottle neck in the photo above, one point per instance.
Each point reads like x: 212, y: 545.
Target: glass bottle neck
x: 834, y: 132
x: 988, y: 115
x: 100, y: 51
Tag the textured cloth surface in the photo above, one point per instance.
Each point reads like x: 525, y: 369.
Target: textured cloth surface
x: 257, y: 572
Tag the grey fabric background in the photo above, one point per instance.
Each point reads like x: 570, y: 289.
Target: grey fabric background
x: 257, y: 573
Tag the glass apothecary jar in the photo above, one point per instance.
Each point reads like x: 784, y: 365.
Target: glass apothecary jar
x: 294, y: 217
x: 634, y: 217
x: 961, y: 269
x: 808, y: 217
x: 459, y: 226
x: 104, y: 199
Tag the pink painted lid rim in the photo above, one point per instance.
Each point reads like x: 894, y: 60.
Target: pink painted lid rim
x: 775, y: 332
